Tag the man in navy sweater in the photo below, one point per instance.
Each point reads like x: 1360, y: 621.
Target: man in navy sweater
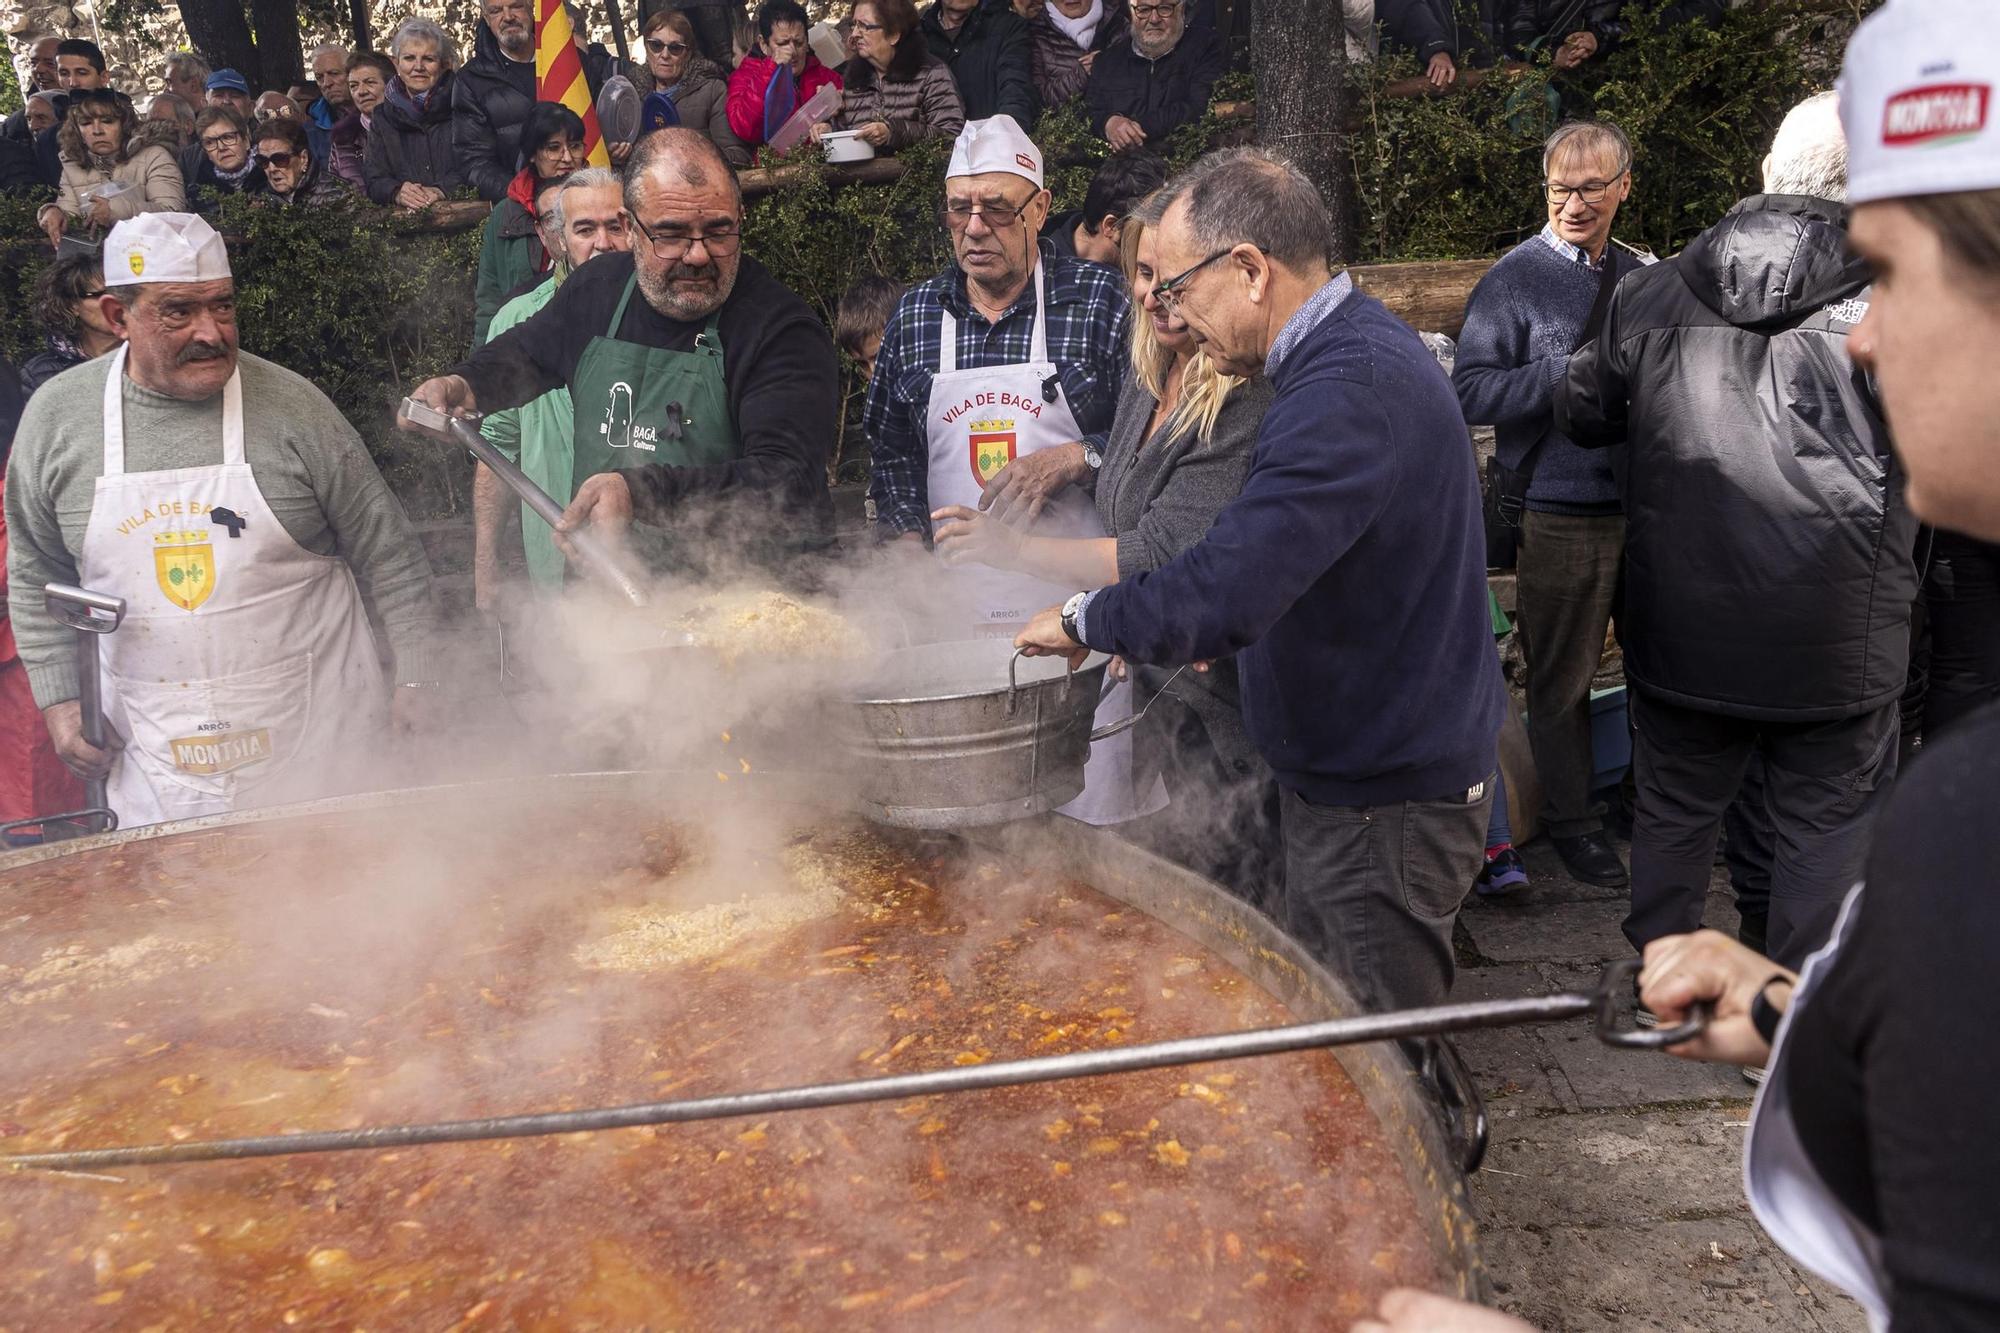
x: 1525, y: 318
x: 1348, y: 575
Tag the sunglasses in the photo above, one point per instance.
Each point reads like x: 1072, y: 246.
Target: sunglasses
x: 282, y: 161
x: 656, y: 46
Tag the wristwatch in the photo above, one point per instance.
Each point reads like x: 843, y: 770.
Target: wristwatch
x: 1070, y: 610
x: 1092, y: 457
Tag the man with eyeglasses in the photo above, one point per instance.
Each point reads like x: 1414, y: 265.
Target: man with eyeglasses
x: 580, y: 216
x: 492, y: 95
x: 1142, y: 90
x: 254, y: 542
x: 995, y: 388
x: 1541, y: 302
x: 1346, y: 577
x: 706, y: 393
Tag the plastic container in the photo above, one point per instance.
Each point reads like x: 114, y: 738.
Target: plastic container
x: 618, y: 110
x: 846, y: 146
x: 818, y: 108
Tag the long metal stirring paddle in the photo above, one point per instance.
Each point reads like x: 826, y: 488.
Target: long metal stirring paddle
x: 1444, y: 1018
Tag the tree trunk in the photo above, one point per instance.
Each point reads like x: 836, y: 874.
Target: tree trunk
x: 281, y: 62
x: 1299, y: 62
x: 221, y: 35
x: 357, y: 11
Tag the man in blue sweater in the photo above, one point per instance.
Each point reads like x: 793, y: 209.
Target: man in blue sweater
x: 1525, y: 318
x: 1348, y: 575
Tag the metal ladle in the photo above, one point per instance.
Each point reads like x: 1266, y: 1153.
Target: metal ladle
x: 596, y: 554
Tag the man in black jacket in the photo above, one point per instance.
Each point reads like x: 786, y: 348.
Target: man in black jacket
x: 492, y: 95
x: 1769, y: 553
x: 991, y: 54
x: 1142, y: 90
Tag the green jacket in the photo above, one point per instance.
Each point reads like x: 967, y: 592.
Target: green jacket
x: 539, y: 436
x: 510, y: 253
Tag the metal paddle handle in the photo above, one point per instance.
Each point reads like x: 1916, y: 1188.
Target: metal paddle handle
x: 91, y: 615
x: 592, y: 549
x: 1438, y: 1019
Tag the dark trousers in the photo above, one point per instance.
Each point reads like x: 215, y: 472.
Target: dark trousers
x: 1373, y: 891
x: 1821, y: 782
x: 1750, y: 849
x: 1962, y: 604
x: 1566, y: 581
x: 1221, y: 822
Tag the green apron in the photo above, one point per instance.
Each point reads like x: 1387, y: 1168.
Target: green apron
x: 639, y: 406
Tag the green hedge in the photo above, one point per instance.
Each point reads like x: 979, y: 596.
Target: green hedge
x: 366, y: 305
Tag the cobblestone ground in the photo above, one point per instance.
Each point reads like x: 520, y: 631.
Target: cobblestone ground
x: 1612, y: 1196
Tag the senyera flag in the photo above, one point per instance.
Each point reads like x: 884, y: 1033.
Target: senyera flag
x: 559, y: 75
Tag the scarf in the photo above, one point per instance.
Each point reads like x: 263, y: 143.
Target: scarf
x: 232, y: 177
x: 1080, y: 30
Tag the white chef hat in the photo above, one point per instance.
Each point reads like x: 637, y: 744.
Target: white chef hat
x: 995, y: 144
x: 164, y: 247
x: 1917, y: 100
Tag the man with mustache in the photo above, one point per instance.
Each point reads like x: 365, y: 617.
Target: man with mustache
x: 706, y: 393
x: 252, y: 539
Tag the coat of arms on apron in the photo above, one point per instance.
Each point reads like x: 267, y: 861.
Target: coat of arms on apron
x: 992, y: 445
x: 185, y: 565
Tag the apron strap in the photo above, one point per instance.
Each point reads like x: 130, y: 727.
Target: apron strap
x: 114, y: 417
x: 947, y: 342
x: 710, y: 337
x: 1038, y: 344
x: 618, y: 315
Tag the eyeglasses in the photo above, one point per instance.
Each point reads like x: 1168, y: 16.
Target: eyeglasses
x: 655, y: 45
x: 1154, y: 11
x: 861, y: 25
x: 1171, y: 292
x: 1591, y: 192
x: 222, y: 140
x: 282, y: 161
x: 671, y: 243
x: 959, y: 213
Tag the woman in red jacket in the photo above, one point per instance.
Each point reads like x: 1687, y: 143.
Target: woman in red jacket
x: 756, y: 108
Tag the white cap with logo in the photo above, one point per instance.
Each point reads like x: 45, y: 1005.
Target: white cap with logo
x: 1917, y: 100
x: 995, y: 144
x: 164, y: 247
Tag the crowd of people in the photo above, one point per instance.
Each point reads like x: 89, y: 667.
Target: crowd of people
x: 1167, y: 428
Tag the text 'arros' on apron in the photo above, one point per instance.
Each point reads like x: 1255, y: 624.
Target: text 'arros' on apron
x: 245, y: 671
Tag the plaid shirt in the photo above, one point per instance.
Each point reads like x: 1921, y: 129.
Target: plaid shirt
x: 1088, y: 317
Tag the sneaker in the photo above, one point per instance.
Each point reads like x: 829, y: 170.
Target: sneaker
x: 1754, y: 1075
x: 1504, y: 873
x: 1642, y: 1017
x: 1591, y: 859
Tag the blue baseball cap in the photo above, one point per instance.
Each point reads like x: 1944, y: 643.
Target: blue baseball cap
x: 226, y: 78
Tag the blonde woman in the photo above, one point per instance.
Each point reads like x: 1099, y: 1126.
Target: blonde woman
x: 1179, y: 451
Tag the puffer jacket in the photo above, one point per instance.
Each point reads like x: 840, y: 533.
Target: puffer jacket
x: 491, y: 97
x: 347, y: 145
x: 1769, y: 552
x: 992, y: 57
x: 321, y: 188
x: 702, y: 99
x: 752, y: 80
x: 406, y: 143
x: 1058, y: 61
x: 916, y: 97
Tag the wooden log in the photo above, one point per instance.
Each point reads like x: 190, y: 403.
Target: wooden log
x: 763, y: 180
x: 1426, y: 296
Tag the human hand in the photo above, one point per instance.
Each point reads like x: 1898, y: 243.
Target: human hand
x: 1682, y: 970
x: 965, y: 536
x: 1123, y: 133
x: 620, y: 153
x: 603, y: 504
x: 487, y: 580
x: 876, y: 132
x: 99, y: 213
x: 1441, y: 71
x: 1576, y: 48
x: 1406, y: 1311
x: 1116, y: 669
x: 820, y: 131
x: 65, y: 723
x: 1088, y: 60
x: 53, y: 220
x: 412, y: 196
x: 1019, y: 490
x: 450, y: 394
x: 1046, y: 637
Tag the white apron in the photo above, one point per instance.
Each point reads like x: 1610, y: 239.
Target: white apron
x: 1790, y: 1199
x: 244, y: 672
x: 978, y: 421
